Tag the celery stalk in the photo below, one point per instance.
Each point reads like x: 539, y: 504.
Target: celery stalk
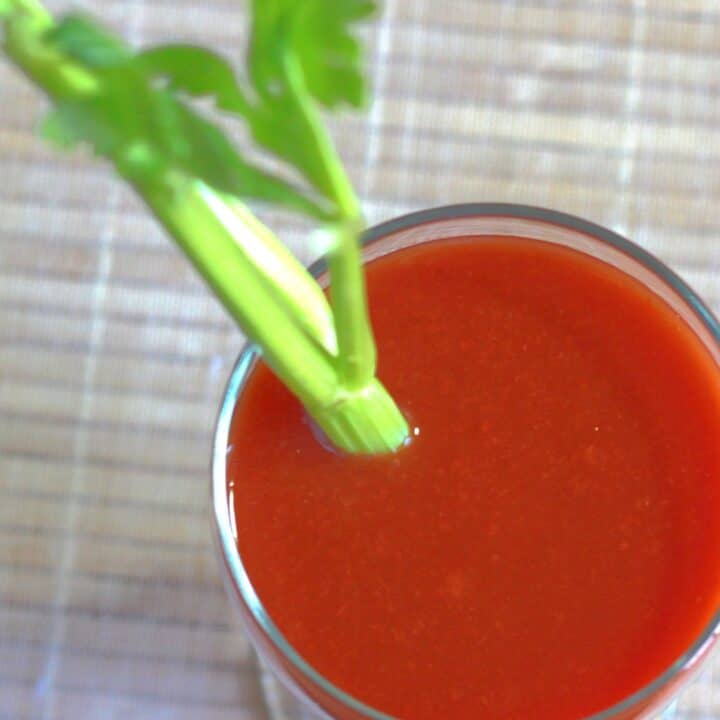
x: 324, y: 354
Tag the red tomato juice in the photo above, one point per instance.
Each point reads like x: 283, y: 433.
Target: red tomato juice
x: 550, y: 540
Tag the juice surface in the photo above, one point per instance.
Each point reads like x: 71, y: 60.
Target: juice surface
x: 547, y: 544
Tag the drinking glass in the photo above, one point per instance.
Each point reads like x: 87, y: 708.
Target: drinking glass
x: 655, y: 700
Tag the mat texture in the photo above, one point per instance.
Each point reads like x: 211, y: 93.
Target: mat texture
x: 113, y: 355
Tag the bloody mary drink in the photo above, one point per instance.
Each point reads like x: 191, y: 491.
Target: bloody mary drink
x: 548, y: 544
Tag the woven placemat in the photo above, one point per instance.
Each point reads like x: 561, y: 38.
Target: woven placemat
x: 113, y: 356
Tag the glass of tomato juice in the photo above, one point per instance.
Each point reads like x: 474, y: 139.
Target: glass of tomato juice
x: 547, y: 545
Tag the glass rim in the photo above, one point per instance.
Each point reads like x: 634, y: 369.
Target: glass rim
x: 224, y: 528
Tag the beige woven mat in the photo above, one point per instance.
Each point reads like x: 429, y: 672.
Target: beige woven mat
x: 113, y: 356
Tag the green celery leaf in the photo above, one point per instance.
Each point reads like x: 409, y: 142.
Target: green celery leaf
x: 142, y: 127
x: 56, y: 128
x: 281, y: 127
x: 330, y: 55
x: 198, y: 72
x: 174, y: 137
x: 70, y: 123
x: 318, y: 33
x: 89, y: 43
x: 301, y: 55
x: 210, y: 155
